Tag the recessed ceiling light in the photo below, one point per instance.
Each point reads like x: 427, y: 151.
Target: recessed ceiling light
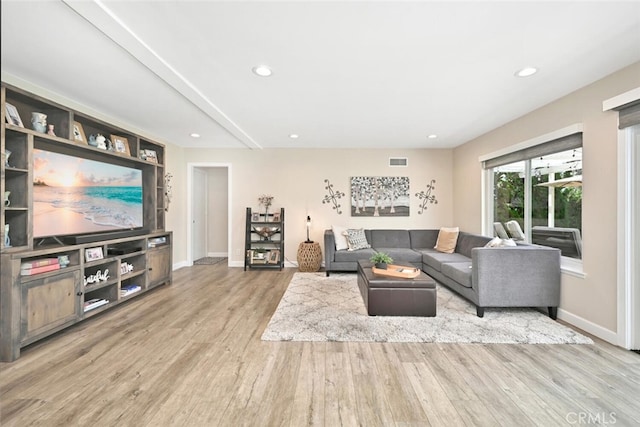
x: 526, y: 72
x: 432, y: 136
x: 195, y: 135
x: 294, y: 136
x: 262, y: 71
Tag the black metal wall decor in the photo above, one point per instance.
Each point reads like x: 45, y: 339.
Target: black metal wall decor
x: 380, y: 196
x: 426, y: 196
x: 332, y: 197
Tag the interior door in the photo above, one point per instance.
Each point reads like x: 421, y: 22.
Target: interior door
x: 199, y: 226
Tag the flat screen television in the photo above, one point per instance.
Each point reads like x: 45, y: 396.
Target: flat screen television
x: 77, y: 196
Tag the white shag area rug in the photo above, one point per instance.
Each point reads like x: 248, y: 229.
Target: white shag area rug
x: 320, y: 308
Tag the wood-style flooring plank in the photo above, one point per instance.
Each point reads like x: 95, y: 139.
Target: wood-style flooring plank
x: 190, y: 354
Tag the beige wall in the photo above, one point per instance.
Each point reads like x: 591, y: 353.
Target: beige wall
x: 217, y: 229
x: 594, y: 297
x: 175, y: 217
x: 295, y: 177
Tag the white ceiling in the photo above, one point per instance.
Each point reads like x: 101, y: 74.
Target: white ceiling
x: 355, y: 74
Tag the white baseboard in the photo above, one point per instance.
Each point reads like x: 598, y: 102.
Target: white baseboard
x: 587, y: 326
x: 180, y: 264
x: 217, y: 254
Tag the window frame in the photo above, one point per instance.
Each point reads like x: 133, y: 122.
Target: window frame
x: 571, y: 266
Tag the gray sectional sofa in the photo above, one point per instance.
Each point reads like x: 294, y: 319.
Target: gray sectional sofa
x: 522, y: 276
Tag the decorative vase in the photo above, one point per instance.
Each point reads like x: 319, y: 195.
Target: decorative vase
x: 7, y: 153
x: 39, y: 121
x: 381, y: 265
x: 7, y: 240
x: 50, y: 131
x: 7, y: 202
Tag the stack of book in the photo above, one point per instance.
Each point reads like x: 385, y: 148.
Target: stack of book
x: 94, y: 303
x: 128, y: 290
x: 38, y: 266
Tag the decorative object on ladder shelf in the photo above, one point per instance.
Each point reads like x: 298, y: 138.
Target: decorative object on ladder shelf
x: 266, y: 201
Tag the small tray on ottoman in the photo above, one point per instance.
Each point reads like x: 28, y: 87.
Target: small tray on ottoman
x: 397, y: 271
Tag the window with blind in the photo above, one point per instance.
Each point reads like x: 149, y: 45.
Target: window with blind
x: 540, y: 187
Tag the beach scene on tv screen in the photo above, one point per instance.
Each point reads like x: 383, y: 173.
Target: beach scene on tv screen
x: 72, y: 195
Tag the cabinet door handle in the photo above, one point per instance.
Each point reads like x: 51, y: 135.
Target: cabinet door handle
x: 79, y: 293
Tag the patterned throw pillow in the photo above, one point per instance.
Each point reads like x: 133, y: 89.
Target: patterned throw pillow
x: 356, y: 239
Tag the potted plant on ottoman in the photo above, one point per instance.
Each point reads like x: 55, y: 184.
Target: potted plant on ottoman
x: 380, y: 259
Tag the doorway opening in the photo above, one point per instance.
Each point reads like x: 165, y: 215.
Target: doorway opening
x: 208, y: 207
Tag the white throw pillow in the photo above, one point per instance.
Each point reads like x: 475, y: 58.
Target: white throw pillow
x: 497, y: 242
x: 340, y: 237
x: 494, y: 243
x: 357, y: 239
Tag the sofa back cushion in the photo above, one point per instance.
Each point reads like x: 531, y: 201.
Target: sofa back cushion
x: 390, y: 239
x: 423, y: 239
x: 467, y: 241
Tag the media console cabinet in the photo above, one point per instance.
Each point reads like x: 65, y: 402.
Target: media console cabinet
x: 48, y: 283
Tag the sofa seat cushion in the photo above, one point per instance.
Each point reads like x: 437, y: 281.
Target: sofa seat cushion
x: 353, y: 256
x: 434, y: 259
x: 402, y: 255
x: 458, y: 271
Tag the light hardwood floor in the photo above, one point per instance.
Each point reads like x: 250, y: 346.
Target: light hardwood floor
x: 190, y: 354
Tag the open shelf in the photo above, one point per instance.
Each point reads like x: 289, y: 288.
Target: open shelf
x: 39, y: 302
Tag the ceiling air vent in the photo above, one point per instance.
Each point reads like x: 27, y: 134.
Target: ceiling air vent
x: 398, y: 162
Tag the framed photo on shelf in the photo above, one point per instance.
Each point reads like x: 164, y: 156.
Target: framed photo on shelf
x: 13, y: 117
x: 120, y: 144
x: 149, y: 155
x: 92, y: 254
x: 255, y: 217
x: 274, y: 257
x: 276, y: 217
x: 78, y: 133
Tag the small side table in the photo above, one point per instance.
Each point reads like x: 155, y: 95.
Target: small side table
x: 309, y: 256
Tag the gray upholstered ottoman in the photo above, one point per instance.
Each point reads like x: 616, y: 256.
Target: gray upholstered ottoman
x: 392, y: 296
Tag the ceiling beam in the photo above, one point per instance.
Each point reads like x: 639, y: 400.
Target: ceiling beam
x: 104, y: 20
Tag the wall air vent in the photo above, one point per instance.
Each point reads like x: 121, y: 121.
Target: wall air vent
x: 398, y: 162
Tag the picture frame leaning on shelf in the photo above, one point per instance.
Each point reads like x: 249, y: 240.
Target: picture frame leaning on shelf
x: 78, y: 133
x: 276, y: 217
x: 274, y: 256
x: 12, y: 115
x: 149, y: 155
x: 120, y: 144
x: 92, y: 254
